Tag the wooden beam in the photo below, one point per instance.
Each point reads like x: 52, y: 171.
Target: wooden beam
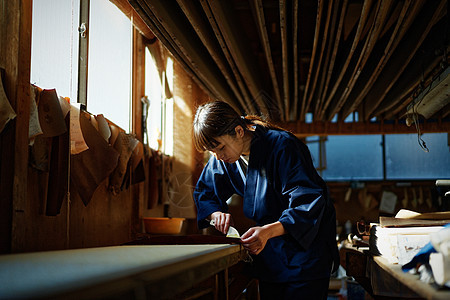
x: 285, y: 60
x: 327, y: 70
x: 302, y: 129
x: 128, y: 10
x: 138, y: 91
x: 404, y: 20
x: 171, y: 27
x: 15, y: 58
x: 320, y: 59
x: 365, y: 13
x: 241, y: 54
x: 413, y: 40
x: 208, y: 39
x: 162, y: 37
x: 295, y: 58
x: 305, y: 105
x: 258, y: 11
x: 397, y: 99
x: 83, y: 52
x: 382, y: 13
x: 138, y: 83
x: 237, y: 76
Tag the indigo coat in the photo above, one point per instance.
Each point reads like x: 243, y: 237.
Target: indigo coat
x: 281, y: 184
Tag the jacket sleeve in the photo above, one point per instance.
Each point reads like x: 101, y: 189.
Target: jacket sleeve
x: 212, y: 191
x: 304, y: 190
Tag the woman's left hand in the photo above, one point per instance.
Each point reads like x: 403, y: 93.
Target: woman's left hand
x: 255, y: 239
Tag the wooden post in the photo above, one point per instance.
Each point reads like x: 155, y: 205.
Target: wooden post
x: 15, y: 58
x: 138, y: 91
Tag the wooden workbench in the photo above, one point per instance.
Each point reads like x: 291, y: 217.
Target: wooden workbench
x: 411, y: 281
x: 155, y: 271
x: 381, y: 278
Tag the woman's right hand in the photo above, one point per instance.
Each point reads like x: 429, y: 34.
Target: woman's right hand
x: 222, y: 221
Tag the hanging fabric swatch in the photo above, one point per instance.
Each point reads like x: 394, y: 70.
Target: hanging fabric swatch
x: 6, y: 111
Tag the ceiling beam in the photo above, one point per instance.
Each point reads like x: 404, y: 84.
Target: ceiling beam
x: 397, y: 99
x: 329, y: 72
x: 328, y: 44
x: 226, y: 52
x: 258, y: 12
x: 365, y: 13
x: 305, y: 102
x: 295, y: 56
x: 285, y: 60
x: 382, y: 12
x: 430, y: 15
x: 245, y: 62
x: 302, y: 129
x: 173, y: 30
x: 206, y: 35
x: 404, y: 19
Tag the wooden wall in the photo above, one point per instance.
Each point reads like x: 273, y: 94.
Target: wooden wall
x: 363, y: 202
x: 107, y: 219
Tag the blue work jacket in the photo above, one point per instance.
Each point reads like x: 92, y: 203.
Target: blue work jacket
x: 281, y: 184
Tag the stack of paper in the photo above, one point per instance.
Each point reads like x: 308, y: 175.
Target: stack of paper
x: 400, y: 238
x: 399, y: 244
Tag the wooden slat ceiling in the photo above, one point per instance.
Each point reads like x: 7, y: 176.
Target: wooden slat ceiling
x: 288, y: 59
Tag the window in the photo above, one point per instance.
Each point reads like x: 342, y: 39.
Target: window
x: 406, y: 160
x: 160, y: 113
x: 352, y: 158
x: 54, y: 46
x: 360, y: 157
x: 54, y: 59
x: 109, y: 63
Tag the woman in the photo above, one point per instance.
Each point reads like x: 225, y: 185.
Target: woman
x: 293, y: 245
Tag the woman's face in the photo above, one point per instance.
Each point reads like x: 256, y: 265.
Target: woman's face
x: 230, y: 147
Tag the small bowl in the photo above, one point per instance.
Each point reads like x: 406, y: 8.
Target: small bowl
x: 163, y: 225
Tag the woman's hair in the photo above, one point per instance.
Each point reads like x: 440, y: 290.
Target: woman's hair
x: 218, y: 118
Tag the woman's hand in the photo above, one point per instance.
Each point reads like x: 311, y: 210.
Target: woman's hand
x: 222, y: 221
x: 255, y: 239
